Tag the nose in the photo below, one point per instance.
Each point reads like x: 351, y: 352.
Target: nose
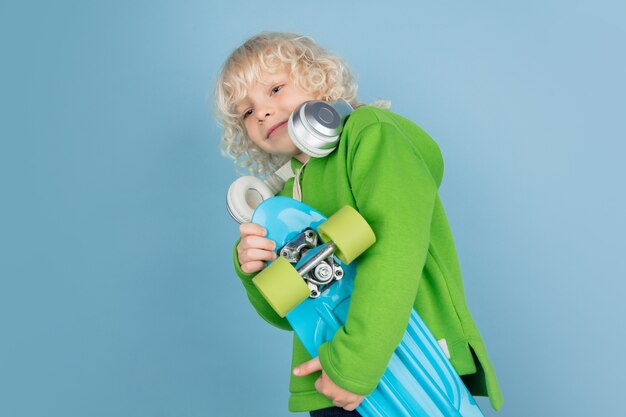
x: 264, y: 111
x: 262, y: 115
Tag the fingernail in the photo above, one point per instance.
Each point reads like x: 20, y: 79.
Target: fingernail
x: 296, y: 371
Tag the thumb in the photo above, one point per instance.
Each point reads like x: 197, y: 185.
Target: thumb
x: 308, y: 368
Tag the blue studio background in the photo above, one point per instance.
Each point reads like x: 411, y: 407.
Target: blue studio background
x: 117, y: 295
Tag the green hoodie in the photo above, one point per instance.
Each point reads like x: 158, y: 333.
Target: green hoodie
x: 390, y: 170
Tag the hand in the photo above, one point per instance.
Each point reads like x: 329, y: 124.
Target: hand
x: 325, y: 386
x: 254, y: 248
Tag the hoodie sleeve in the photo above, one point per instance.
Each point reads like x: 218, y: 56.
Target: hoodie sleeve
x: 396, y: 193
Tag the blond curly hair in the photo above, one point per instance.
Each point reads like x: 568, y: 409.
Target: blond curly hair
x: 311, y: 67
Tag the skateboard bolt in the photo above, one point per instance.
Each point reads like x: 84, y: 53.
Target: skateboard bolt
x: 323, y: 272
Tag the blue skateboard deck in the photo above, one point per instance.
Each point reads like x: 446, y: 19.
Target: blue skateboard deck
x: 419, y: 380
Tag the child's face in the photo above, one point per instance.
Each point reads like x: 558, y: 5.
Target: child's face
x: 266, y: 110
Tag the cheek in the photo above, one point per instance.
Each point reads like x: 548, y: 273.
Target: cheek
x: 248, y: 128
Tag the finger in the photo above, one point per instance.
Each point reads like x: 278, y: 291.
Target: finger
x: 252, y: 255
x: 324, y: 389
x: 354, y: 404
x: 318, y: 385
x: 254, y: 242
x: 246, y: 229
x: 349, y: 407
x: 258, y: 242
x: 308, y: 368
x: 339, y: 404
x: 251, y: 267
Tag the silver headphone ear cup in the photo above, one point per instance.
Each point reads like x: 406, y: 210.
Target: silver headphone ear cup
x: 244, y: 195
x: 315, y: 126
x: 308, y: 143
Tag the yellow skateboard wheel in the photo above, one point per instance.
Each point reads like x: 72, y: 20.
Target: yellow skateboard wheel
x: 282, y: 286
x: 350, y: 233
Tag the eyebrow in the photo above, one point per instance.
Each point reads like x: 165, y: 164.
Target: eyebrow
x: 239, y: 108
x: 276, y: 79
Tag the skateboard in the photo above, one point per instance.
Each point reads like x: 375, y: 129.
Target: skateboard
x: 310, y: 284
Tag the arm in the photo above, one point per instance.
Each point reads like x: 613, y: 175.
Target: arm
x: 395, y: 193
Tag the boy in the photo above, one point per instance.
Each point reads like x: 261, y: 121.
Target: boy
x: 389, y: 170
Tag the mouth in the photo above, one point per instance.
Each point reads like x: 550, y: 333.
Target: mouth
x: 272, y: 129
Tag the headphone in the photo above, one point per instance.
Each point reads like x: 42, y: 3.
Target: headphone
x: 315, y: 128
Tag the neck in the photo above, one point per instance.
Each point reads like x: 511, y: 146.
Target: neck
x: 302, y: 157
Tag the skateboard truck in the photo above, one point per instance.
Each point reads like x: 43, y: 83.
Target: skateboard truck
x: 320, y: 271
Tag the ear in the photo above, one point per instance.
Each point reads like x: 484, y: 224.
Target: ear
x: 244, y: 195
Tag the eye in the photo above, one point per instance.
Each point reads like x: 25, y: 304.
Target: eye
x: 247, y: 113
x: 277, y: 88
